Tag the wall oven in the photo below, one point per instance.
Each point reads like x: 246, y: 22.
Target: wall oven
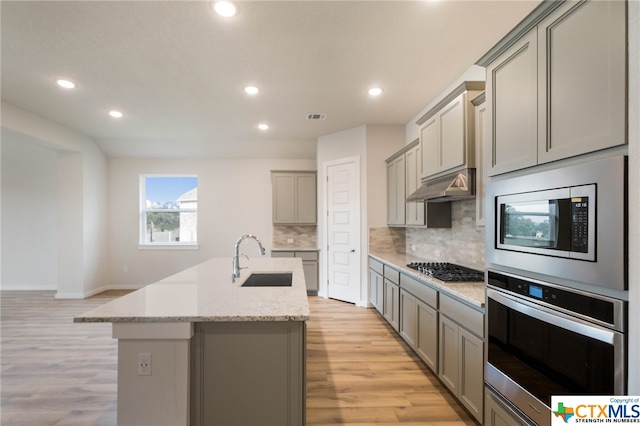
x: 568, y: 225
x: 544, y: 340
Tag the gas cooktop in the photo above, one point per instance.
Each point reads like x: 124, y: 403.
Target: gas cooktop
x: 447, y: 272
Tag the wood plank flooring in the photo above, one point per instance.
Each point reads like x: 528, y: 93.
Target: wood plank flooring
x: 359, y: 372
x: 56, y: 372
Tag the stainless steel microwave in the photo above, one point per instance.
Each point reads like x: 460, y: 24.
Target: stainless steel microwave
x: 557, y: 222
x: 564, y: 224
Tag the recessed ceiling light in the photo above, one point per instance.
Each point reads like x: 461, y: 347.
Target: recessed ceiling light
x: 375, y: 91
x: 251, y: 90
x: 66, y: 84
x: 224, y: 8
x: 116, y: 114
x: 263, y: 126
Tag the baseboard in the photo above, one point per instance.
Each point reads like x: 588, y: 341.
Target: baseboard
x: 26, y: 288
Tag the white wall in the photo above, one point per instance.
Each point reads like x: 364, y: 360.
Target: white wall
x: 81, y: 182
x: 234, y: 198
x: 372, y: 144
x: 29, y: 215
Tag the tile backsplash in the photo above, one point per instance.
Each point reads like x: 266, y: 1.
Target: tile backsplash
x: 463, y: 243
x: 302, y: 236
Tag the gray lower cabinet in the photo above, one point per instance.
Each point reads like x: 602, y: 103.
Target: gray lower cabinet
x: 496, y: 413
x: 419, y: 319
x: 309, y: 266
x: 391, y: 303
x: 376, y: 288
x: 248, y: 373
x: 461, y: 353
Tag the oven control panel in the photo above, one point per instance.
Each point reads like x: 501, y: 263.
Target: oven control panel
x: 585, y: 304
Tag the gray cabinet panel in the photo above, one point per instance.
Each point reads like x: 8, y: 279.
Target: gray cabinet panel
x: 582, y: 90
x: 391, y: 304
x: 512, y: 88
x: 248, y: 373
x: 497, y: 413
x: 409, y: 318
x: 449, y: 371
x: 471, y: 372
x: 427, y: 344
x: 294, y: 197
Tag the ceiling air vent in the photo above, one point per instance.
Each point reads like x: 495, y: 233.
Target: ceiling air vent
x: 316, y: 116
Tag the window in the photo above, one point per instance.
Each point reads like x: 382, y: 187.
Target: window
x: 168, y: 210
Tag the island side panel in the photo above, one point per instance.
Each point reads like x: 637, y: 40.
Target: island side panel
x: 248, y: 373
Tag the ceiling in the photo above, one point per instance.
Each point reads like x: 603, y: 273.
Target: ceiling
x: 178, y: 71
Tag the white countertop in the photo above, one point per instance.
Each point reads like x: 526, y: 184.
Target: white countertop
x: 205, y: 293
x: 471, y: 292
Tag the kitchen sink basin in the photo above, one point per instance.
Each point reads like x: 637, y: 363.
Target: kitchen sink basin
x: 279, y: 279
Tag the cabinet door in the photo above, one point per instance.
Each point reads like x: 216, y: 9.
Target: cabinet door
x: 311, y: 274
x: 430, y: 146
x: 427, y: 343
x: 452, y: 134
x: 414, y: 211
x: 376, y: 290
x: 582, y: 90
x: 396, y: 191
x: 481, y: 112
x: 305, y: 204
x: 391, y: 304
x: 512, y: 116
x: 408, y: 318
x: 497, y: 414
x: 471, y: 357
x: 283, y: 198
x: 448, y: 354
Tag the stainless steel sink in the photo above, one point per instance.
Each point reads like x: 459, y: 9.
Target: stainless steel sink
x: 276, y: 279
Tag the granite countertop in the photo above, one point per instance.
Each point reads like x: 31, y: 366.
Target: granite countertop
x: 471, y: 292
x: 205, y: 293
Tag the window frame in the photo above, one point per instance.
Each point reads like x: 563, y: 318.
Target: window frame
x: 143, y: 211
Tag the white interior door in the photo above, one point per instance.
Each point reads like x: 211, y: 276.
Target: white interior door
x: 343, y: 231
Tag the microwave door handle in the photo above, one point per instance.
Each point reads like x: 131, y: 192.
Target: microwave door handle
x: 555, y: 318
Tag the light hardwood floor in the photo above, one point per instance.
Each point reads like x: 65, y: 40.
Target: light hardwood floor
x: 359, y: 372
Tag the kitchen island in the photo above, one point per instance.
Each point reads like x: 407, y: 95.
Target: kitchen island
x: 197, y: 348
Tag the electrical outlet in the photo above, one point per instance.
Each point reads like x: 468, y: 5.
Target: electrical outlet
x: 144, y: 364
x: 289, y: 240
x: 437, y: 253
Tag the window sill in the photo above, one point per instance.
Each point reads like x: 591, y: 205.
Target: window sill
x: 168, y: 246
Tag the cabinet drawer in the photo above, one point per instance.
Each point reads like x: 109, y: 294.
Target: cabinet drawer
x: 307, y: 255
x: 392, y: 275
x: 464, y: 315
x: 423, y: 292
x: 282, y: 254
x: 376, y: 266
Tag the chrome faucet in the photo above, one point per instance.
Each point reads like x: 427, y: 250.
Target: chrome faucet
x: 236, y: 255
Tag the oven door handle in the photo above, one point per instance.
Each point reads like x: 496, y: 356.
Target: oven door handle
x: 556, y: 318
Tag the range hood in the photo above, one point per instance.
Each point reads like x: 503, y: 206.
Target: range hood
x: 459, y: 185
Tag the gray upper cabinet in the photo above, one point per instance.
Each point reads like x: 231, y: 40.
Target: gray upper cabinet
x: 396, y: 191
x: 294, y: 197
x: 512, y: 95
x: 447, y: 131
x: 481, y: 119
x: 581, y: 78
x: 403, y: 178
x: 556, y: 85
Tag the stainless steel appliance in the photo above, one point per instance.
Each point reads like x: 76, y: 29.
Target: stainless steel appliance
x: 568, y: 225
x: 546, y: 340
x: 447, y: 272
